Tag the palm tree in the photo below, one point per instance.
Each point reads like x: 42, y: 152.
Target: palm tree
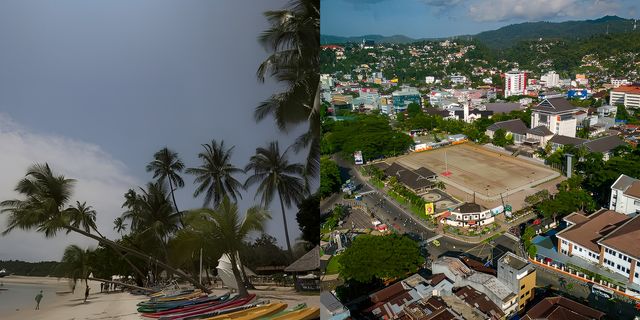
x: 227, y: 229
x: 274, y: 174
x: 42, y: 207
x: 75, y: 264
x: 293, y: 39
x: 215, y: 175
x: 166, y: 165
x: 119, y: 225
x: 150, y: 213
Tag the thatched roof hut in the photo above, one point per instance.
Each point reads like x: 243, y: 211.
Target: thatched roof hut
x: 307, y: 263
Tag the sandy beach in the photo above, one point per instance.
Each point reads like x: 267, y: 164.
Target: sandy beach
x: 120, y: 305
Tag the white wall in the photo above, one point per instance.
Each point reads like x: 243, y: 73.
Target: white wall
x: 623, y: 204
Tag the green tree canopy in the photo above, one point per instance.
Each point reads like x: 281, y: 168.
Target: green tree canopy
x: 380, y: 257
x: 329, y: 177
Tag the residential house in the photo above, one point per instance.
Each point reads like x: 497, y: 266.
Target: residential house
x: 331, y: 308
x: 390, y: 302
x: 499, y: 293
x: 515, y: 127
x: 625, y: 195
x: 607, y: 111
x: 553, y: 308
x: 518, y: 274
x: 502, y: 107
x: 557, y: 114
x: 604, y: 145
x: 480, y: 302
x: 559, y: 141
x: 538, y: 136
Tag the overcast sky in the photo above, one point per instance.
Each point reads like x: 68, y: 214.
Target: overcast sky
x: 96, y: 87
x: 443, y: 18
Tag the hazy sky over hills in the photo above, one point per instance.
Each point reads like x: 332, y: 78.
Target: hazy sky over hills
x: 443, y: 18
x: 96, y: 87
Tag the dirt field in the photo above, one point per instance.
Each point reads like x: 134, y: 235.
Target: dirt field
x: 476, y: 169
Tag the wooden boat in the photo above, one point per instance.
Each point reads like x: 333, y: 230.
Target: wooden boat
x: 171, y: 305
x: 192, y: 307
x: 252, y: 313
x: 283, y: 312
x: 302, y: 314
x: 207, y: 312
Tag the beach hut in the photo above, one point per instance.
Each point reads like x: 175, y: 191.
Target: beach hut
x: 306, y: 271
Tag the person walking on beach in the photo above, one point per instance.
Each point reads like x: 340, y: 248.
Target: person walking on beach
x: 38, y: 299
x: 86, y: 294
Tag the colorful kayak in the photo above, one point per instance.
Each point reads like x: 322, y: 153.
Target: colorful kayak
x: 283, y: 312
x: 252, y: 313
x: 201, y: 313
x: 302, y: 314
x: 164, y: 306
x: 189, y: 308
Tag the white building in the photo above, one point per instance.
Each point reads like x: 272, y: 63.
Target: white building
x: 515, y: 83
x: 429, y: 79
x: 625, y: 195
x: 606, y: 238
x: 619, y: 82
x: 551, y: 79
x: 629, y: 96
x: 457, y: 79
x: 557, y: 114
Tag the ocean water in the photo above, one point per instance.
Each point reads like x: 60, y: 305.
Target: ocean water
x: 21, y: 296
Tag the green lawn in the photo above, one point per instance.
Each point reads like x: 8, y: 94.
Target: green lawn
x: 334, y: 266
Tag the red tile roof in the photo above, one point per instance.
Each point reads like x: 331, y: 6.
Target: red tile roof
x: 633, y: 89
x: 560, y: 308
x: 598, y: 225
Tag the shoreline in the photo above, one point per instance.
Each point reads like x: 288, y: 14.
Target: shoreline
x: 119, y: 305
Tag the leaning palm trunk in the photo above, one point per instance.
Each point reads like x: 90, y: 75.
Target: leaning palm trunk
x: 242, y: 289
x: 141, y: 255
x: 286, y: 228
x: 175, y: 204
x: 133, y: 266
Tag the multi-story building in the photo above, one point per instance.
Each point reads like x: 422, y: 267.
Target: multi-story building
x: 405, y: 96
x: 557, y: 115
x: 518, y: 274
x: 605, y: 238
x: 625, y: 195
x: 619, y: 82
x: 629, y: 96
x: 515, y: 83
x: 551, y: 79
x: 457, y: 79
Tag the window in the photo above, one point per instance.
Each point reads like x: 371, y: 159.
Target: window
x: 636, y: 203
x: 620, y: 255
x: 564, y: 241
x: 522, y: 287
x: 522, y: 297
x: 575, y: 247
x: 618, y: 266
x: 580, y: 249
x: 637, y: 275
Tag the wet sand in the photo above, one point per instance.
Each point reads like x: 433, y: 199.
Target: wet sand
x: 120, y: 305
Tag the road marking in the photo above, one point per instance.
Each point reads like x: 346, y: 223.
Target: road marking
x: 434, y: 238
x: 367, y: 192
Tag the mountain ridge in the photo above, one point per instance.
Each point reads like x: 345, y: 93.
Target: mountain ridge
x: 507, y: 36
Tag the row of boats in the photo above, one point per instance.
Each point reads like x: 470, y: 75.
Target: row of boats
x: 195, y: 304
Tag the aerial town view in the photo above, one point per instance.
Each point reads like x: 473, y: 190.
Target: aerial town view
x: 479, y: 159
x: 159, y: 159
